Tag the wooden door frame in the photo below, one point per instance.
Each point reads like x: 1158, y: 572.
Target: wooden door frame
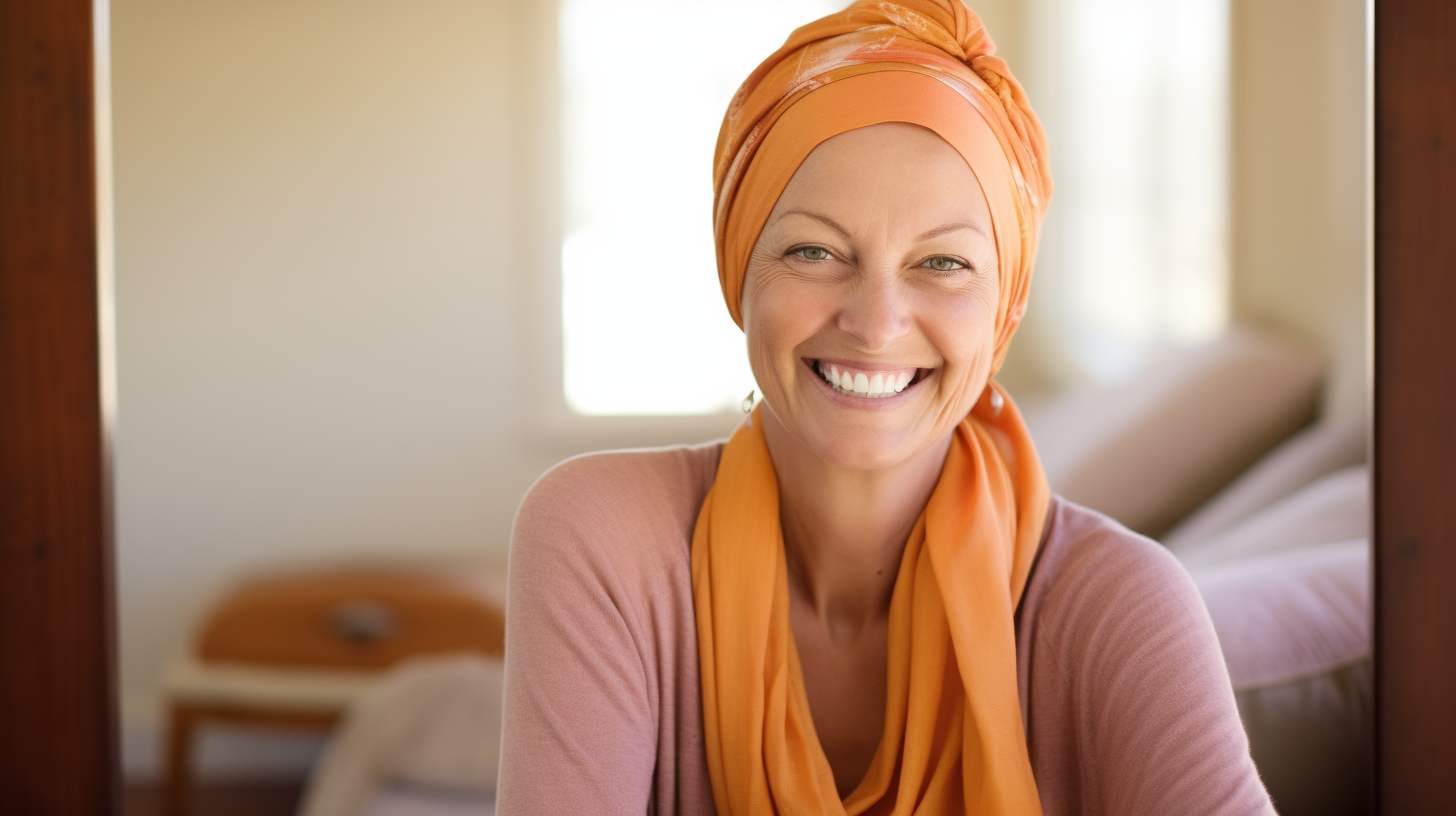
x: 58, y: 744
x: 1414, y: 433
x: 58, y: 723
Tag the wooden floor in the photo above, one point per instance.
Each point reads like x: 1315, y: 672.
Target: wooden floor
x: 221, y: 799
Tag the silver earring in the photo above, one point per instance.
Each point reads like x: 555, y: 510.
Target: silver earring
x: 997, y: 401
x: 747, y: 406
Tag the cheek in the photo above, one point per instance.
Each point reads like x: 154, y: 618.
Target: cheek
x: 963, y: 329
x: 779, y: 313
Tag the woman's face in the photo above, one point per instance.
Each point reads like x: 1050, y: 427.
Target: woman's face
x: 870, y: 297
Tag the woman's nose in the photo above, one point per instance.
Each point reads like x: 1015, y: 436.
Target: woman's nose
x: 877, y: 313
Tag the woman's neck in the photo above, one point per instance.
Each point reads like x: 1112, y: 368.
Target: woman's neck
x: 845, y: 530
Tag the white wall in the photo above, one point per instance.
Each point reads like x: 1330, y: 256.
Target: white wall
x: 318, y: 266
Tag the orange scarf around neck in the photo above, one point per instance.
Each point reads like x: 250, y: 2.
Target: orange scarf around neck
x: 953, y: 739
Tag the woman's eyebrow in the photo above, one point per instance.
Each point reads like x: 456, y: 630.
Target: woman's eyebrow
x: 945, y: 228
x: 823, y: 219
x: 925, y: 236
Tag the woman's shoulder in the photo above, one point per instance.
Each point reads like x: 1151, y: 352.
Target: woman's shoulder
x: 1097, y: 583
x: 601, y: 654
x: 1120, y: 663
x: 618, y: 503
x: 653, y: 481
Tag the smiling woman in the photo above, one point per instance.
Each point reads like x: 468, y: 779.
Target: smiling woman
x: 867, y: 599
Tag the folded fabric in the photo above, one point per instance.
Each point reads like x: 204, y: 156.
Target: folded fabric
x: 1317, y: 451
x: 431, y: 722
x: 1334, y: 508
x: 1149, y: 451
x: 1285, y: 615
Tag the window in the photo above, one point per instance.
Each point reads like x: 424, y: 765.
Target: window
x: 645, y: 329
x: 1134, y: 94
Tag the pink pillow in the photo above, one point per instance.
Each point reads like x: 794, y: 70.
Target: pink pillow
x: 1334, y: 508
x: 1319, y: 450
x: 1148, y: 451
x: 1294, y: 625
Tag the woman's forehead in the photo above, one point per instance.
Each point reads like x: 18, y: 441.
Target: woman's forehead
x: 892, y: 170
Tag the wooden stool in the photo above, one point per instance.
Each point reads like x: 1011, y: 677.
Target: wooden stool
x: 293, y: 651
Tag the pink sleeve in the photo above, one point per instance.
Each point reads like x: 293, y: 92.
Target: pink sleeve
x: 580, y: 732
x: 1131, y: 652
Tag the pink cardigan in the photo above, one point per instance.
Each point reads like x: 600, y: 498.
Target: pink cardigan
x: 1124, y: 695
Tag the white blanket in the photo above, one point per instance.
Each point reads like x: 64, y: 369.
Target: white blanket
x: 424, y: 740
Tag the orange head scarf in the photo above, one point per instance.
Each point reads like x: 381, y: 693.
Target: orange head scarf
x: 954, y: 740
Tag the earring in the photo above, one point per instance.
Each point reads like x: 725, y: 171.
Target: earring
x: 747, y: 406
x: 997, y: 401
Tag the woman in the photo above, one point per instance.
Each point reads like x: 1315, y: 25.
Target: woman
x: 866, y: 601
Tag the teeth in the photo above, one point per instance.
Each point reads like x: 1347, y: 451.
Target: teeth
x: 879, y: 385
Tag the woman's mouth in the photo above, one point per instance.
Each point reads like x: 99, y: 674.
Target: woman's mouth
x: 865, y: 383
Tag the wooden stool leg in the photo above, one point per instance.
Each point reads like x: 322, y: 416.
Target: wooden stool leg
x: 178, y: 786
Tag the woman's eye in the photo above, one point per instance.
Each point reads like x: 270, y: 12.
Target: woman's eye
x: 944, y: 263
x: 812, y: 253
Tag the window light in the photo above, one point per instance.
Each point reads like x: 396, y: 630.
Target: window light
x: 644, y: 87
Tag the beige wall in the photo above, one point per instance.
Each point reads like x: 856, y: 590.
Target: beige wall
x: 1004, y: 19
x: 318, y: 266
x: 338, y: 301
x: 1299, y: 241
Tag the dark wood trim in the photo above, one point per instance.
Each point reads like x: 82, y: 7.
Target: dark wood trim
x: 58, y: 732
x: 241, y: 797
x: 1415, y: 406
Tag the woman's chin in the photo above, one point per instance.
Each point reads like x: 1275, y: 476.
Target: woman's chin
x: 864, y: 445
